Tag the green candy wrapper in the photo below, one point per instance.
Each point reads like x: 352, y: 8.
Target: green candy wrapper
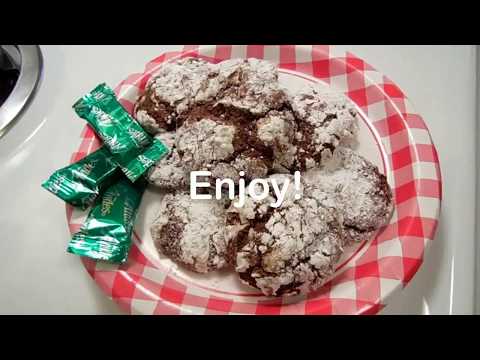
x: 80, y: 183
x: 106, y: 234
x: 132, y: 147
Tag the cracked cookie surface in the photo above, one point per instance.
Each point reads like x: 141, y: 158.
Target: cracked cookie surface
x: 325, y: 120
x: 192, y: 232
x: 287, y: 250
x: 355, y: 187
x: 223, y: 140
x: 169, y: 173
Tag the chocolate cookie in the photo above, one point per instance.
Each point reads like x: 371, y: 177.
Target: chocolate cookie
x: 325, y: 120
x: 192, y: 232
x: 288, y: 250
x: 174, y: 89
x: 355, y: 187
x: 169, y: 172
x: 222, y: 140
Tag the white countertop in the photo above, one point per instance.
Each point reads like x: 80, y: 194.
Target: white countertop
x: 37, y: 276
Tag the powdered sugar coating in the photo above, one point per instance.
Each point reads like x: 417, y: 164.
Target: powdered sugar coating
x: 250, y: 84
x: 178, y: 85
x: 169, y: 172
x: 253, y: 166
x: 204, y: 143
x: 192, y: 232
x: 185, y: 81
x: 288, y: 250
x: 221, y: 139
x: 325, y: 119
x: 277, y: 130
x: 154, y: 114
x: 148, y: 122
x: 356, y: 188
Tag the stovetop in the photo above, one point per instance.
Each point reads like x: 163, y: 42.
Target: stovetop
x: 38, y: 276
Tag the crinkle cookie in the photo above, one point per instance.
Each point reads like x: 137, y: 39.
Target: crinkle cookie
x: 174, y: 89
x: 288, y: 250
x: 192, y: 232
x: 325, y: 120
x: 356, y: 188
x: 169, y: 173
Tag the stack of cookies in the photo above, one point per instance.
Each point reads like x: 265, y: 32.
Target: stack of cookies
x: 234, y: 116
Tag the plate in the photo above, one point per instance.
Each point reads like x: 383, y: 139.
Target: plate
x: 392, y: 135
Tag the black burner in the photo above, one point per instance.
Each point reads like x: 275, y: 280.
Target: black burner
x: 20, y: 71
x: 8, y: 75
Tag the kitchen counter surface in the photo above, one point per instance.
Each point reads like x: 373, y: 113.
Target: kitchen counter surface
x: 37, y: 275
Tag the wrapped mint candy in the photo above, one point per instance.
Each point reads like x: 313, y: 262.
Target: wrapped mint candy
x: 106, y: 234
x: 80, y: 183
x: 132, y: 148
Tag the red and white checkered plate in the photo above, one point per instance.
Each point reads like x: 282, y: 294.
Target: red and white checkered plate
x: 391, y: 135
